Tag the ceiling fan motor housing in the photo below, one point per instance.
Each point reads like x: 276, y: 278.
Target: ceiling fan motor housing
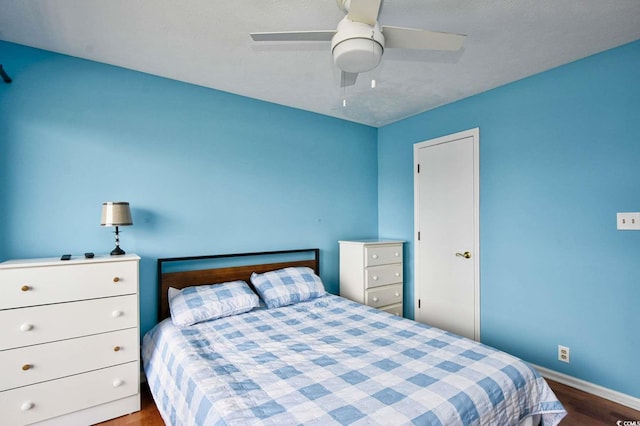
x: 357, y: 47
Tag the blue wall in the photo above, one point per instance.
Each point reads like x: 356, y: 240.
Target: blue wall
x: 205, y: 172
x: 559, y: 156
x: 3, y: 176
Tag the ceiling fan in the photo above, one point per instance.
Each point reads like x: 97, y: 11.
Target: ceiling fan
x: 359, y: 41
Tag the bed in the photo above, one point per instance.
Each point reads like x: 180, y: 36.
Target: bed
x: 323, y: 359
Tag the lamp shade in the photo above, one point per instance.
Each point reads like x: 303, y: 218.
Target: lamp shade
x: 116, y: 214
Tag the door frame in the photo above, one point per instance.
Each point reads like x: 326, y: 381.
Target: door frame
x: 475, y: 134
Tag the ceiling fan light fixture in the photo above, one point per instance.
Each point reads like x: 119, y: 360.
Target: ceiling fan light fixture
x: 357, y: 55
x: 357, y: 47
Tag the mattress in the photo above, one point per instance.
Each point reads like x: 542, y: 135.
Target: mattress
x: 333, y: 361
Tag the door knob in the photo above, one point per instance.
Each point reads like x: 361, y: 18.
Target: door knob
x: 466, y: 255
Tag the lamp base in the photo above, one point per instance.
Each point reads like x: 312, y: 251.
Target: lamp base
x: 117, y: 251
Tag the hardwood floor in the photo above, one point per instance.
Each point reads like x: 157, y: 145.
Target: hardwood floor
x: 583, y: 410
x: 587, y: 410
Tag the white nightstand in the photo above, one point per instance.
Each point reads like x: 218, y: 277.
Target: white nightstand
x: 69, y: 340
x: 371, y: 273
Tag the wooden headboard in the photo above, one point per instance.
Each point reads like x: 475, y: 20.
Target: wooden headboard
x: 197, y: 276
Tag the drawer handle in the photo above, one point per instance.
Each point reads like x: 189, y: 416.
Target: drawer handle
x: 397, y: 274
x: 25, y: 288
x: 116, y: 348
x: 375, y: 278
x: 396, y: 254
x: 375, y: 299
x: 116, y: 279
x: 117, y: 383
x: 27, y: 405
x: 397, y: 294
x: 116, y: 314
x: 26, y: 367
x: 26, y: 327
x: 375, y: 256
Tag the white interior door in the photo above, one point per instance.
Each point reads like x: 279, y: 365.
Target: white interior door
x: 447, y: 286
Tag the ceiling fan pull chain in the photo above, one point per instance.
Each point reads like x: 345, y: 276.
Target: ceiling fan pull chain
x: 344, y: 91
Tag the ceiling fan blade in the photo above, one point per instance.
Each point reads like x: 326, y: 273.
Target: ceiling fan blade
x: 411, y: 38
x: 294, y: 36
x: 365, y: 11
x: 348, y: 78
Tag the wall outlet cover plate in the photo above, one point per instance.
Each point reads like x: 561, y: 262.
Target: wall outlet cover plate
x: 628, y: 221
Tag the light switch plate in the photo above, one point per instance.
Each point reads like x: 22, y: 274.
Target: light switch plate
x: 628, y: 221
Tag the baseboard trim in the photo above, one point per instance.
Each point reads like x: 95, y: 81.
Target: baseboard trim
x: 606, y: 393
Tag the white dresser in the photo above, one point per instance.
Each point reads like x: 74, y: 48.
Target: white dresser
x: 69, y: 340
x: 371, y: 273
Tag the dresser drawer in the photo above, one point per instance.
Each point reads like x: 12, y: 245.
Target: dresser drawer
x: 377, y: 276
x: 381, y: 296
x: 38, y: 402
x: 393, y: 309
x: 41, y: 324
x: 40, y: 285
x: 35, y: 364
x: 382, y: 255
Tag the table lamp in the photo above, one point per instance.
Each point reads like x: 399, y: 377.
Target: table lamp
x: 116, y: 214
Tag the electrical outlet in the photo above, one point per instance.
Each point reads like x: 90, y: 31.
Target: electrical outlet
x: 628, y: 221
x: 563, y: 354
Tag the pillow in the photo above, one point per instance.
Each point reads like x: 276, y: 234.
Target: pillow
x: 287, y: 286
x: 192, y: 305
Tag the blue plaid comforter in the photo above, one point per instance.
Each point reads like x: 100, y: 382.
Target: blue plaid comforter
x: 333, y: 361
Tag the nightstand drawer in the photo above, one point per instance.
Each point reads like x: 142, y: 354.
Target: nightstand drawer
x: 382, y: 296
x: 40, y: 285
x: 377, y: 276
x: 34, y: 403
x: 39, y: 363
x: 41, y: 324
x: 382, y: 255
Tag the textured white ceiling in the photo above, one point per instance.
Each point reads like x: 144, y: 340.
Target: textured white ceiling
x: 207, y: 43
